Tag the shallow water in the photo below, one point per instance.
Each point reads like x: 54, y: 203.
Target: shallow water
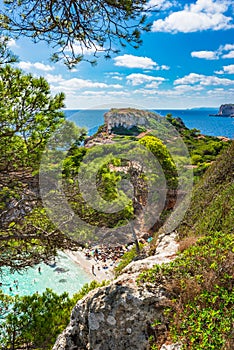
x: 64, y: 275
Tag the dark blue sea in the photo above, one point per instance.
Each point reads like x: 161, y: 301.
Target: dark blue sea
x: 193, y: 118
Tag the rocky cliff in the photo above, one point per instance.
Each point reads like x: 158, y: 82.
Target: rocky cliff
x: 127, y: 118
x: 121, y: 315
x: 226, y: 110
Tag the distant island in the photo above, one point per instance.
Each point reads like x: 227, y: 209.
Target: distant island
x: 225, y: 110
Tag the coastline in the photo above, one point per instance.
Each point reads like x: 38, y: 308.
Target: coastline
x: 100, y: 274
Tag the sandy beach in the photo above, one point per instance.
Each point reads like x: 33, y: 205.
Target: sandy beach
x: 98, y: 273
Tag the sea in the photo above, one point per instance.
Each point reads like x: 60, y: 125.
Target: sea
x: 66, y: 275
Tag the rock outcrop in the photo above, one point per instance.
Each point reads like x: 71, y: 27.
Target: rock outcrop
x: 127, y: 118
x: 120, y: 316
x: 226, y: 110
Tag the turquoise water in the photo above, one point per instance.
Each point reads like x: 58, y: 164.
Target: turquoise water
x: 193, y: 118
x: 64, y: 276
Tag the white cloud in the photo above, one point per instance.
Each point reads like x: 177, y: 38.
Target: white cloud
x: 77, y: 83
x: 131, y: 61
x: 229, y: 54
x: 203, y: 15
x: 137, y: 79
x: 164, y: 67
x: 145, y: 92
x: 117, y: 77
x: 74, y: 85
x: 226, y: 70
x: 180, y: 90
x: 210, y: 6
x: 37, y: 65
x: 73, y: 70
x: 208, y: 55
x: 204, y: 80
x: 42, y: 66
x: 118, y: 93
x: 114, y: 75
x: 93, y: 93
x: 221, y: 92
x: 153, y: 85
x: 215, y: 55
x: 12, y: 43
x: 54, y: 78
x: 227, y: 47
x: 188, y: 88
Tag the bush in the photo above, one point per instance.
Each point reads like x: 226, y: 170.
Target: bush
x: 35, y: 321
x: 126, y: 259
x: 199, y: 285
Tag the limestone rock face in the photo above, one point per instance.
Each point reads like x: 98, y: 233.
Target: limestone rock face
x: 226, y: 110
x: 120, y: 316
x: 117, y: 317
x: 126, y: 117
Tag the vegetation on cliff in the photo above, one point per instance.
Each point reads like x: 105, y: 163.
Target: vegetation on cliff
x: 203, y: 149
x: 199, y: 286
x: 199, y: 283
x: 212, y: 202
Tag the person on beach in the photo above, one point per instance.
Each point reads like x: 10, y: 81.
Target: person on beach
x: 96, y: 254
x: 93, y: 270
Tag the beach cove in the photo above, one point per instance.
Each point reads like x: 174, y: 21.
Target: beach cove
x: 69, y: 271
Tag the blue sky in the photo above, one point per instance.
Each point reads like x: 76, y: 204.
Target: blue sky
x: 186, y: 61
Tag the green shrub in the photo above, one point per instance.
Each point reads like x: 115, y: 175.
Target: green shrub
x: 199, y: 285
x: 207, y: 322
x: 126, y: 259
x: 35, y: 321
x: 87, y: 287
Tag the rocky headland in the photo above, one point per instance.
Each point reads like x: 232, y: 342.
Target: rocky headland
x: 225, y: 110
x: 127, y: 118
